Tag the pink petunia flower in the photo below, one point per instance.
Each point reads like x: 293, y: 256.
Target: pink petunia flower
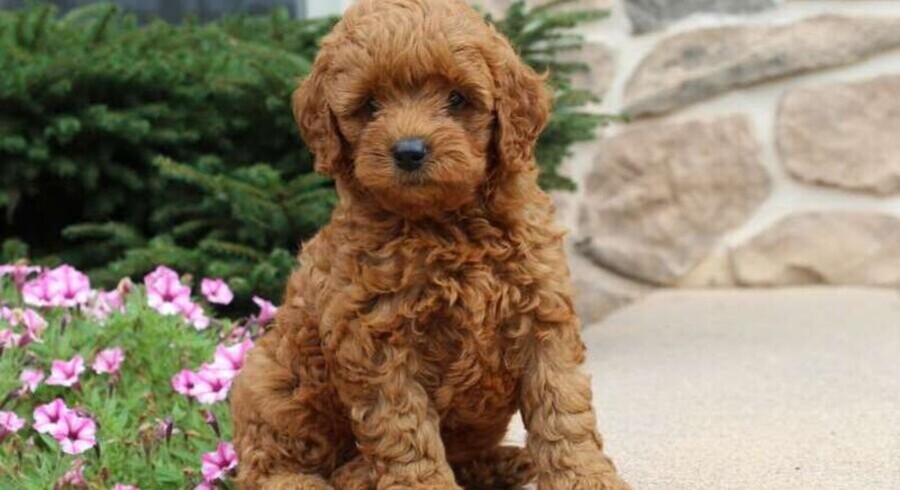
x: 210, y: 386
x: 184, y: 382
x: 218, y: 463
x: 34, y: 325
x: 10, y: 423
x: 9, y: 339
x: 161, y: 271
x: 6, y: 314
x: 105, y: 303
x: 39, y: 291
x: 114, y: 300
x: 19, y: 272
x: 193, y: 313
x: 205, y: 486
x: 216, y: 291
x: 120, y: 486
x: 74, y: 478
x: 229, y: 361
x: 31, y: 379
x: 266, y: 310
x: 64, y: 286
x: 72, y: 287
x: 165, y: 291
x: 108, y: 361
x: 66, y: 373
x: 33, y: 322
x: 238, y: 334
x: 46, y: 417
x: 75, y: 434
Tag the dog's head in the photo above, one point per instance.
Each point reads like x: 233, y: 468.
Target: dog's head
x: 418, y: 104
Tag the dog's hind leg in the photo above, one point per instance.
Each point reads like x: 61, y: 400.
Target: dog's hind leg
x: 287, y: 433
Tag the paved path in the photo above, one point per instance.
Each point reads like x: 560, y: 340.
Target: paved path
x: 794, y: 389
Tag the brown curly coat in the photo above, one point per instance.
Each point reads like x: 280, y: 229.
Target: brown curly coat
x: 436, y: 303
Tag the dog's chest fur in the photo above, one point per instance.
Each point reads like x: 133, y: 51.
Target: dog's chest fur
x: 454, y: 294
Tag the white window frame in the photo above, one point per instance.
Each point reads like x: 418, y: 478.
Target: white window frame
x: 322, y: 8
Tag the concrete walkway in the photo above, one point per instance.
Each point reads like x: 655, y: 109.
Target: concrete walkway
x: 791, y: 389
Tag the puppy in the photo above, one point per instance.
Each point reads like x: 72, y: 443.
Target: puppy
x: 436, y: 303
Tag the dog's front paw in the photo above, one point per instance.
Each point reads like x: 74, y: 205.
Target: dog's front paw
x: 294, y: 482
x: 437, y: 482
x: 599, y: 481
x: 425, y: 486
x: 436, y: 485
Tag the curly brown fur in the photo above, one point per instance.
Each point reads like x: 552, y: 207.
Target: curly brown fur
x: 499, y: 468
x: 436, y: 303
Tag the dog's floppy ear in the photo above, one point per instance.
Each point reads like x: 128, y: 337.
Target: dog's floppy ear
x: 522, y: 106
x: 317, y: 123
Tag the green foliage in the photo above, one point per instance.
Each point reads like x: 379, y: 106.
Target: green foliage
x: 128, y: 411
x: 541, y: 35
x: 97, y: 110
x: 126, y: 146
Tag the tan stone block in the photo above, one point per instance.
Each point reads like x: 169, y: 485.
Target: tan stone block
x: 696, y: 65
x: 845, y: 136
x: 661, y: 195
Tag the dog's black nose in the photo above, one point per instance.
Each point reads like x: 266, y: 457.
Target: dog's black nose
x: 410, y: 153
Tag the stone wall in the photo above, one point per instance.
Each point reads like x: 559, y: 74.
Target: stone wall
x: 763, y: 150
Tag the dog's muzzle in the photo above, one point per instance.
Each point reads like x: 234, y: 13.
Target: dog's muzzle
x: 410, y: 153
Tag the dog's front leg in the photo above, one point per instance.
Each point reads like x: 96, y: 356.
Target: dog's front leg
x: 397, y: 429
x: 557, y: 411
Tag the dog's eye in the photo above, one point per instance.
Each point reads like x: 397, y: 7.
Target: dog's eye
x: 370, y: 106
x: 456, y: 100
